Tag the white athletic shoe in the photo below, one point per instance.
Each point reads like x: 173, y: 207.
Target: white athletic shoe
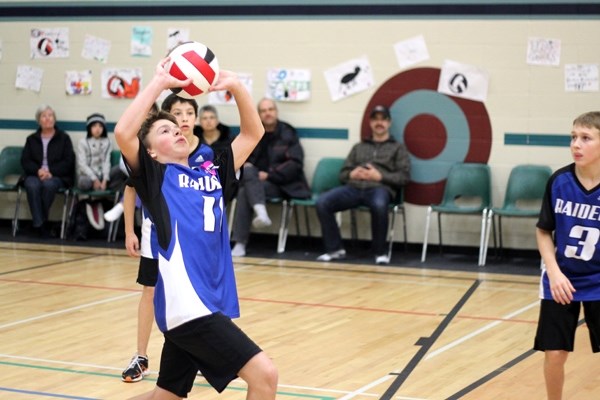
x: 382, y: 259
x: 114, y: 213
x: 239, y: 250
x: 335, y: 255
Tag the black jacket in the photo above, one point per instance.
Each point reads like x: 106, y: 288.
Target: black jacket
x: 61, y: 158
x: 280, y: 154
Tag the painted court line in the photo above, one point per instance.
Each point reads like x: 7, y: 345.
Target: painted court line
x: 361, y: 391
x: 45, y: 394
x: 67, y: 310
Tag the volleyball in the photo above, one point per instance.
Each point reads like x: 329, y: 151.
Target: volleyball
x: 193, y: 60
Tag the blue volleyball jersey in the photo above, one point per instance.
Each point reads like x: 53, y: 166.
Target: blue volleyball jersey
x: 196, y: 276
x: 573, y: 214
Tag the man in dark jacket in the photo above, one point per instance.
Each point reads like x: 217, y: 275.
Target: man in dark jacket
x: 274, y: 169
x: 49, y: 164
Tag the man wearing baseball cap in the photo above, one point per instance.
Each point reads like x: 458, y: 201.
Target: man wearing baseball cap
x: 372, y: 173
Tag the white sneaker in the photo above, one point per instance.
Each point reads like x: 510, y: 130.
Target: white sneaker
x: 114, y: 213
x: 382, y: 259
x: 239, y: 250
x: 261, y: 221
x: 335, y: 255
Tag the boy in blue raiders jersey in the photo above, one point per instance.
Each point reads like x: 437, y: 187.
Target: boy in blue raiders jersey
x: 185, y: 111
x: 195, y: 296
x: 568, y: 236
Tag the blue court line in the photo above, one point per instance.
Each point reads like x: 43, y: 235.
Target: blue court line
x: 45, y: 394
x: 118, y: 378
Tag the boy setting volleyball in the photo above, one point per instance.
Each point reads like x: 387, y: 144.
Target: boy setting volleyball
x: 195, y: 295
x: 568, y: 236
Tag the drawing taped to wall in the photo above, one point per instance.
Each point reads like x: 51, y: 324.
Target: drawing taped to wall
x: 49, y: 43
x: 348, y: 78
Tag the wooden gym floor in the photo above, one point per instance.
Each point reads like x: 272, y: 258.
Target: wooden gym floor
x: 335, y: 331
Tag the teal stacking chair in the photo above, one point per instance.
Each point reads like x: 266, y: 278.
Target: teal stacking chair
x: 524, y: 193
x: 325, y: 177
x: 11, y: 173
x: 467, y: 192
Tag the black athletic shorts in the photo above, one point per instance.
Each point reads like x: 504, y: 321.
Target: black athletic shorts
x: 557, y: 324
x: 148, y: 271
x: 213, y: 345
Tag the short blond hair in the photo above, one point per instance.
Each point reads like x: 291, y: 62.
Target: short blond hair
x: 589, y: 119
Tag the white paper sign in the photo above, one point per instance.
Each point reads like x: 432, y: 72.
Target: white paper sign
x: 542, y: 51
x: 141, y: 41
x: 348, y: 78
x: 176, y: 36
x: 29, y: 78
x: 95, y: 48
x: 462, y: 80
x: 581, y: 77
x: 411, y: 51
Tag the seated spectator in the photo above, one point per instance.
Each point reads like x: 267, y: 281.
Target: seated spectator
x: 49, y: 164
x: 372, y: 173
x: 274, y: 169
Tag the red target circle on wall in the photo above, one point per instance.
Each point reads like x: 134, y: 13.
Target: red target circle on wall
x: 438, y: 130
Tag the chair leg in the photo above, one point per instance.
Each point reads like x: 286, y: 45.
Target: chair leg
x: 404, y: 229
x: 63, y: 223
x: 439, y: 218
x: 286, y: 215
x: 426, y: 237
x: 307, y: 222
x: 284, y: 208
x: 500, y: 244
x: 391, y: 232
x: 482, y: 236
x: 489, y: 218
x: 232, y: 206
x: 15, y: 223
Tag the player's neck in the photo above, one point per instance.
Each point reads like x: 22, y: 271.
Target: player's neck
x: 588, y: 176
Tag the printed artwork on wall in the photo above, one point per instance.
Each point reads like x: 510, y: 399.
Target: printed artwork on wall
x: 29, y: 78
x: 411, y: 51
x: 141, y: 41
x: 542, y: 51
x: 288, y: 84
x: 462, y: 80
x: 348, y: 78
x: 224, y: 97
x: 95, y: 48
x: 581, y: 77
x: 49, y: 43
x: 121, y: 83
x: 78, y: 83
x: 176, y: 36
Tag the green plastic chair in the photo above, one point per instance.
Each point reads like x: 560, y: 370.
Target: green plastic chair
x: 325, y: 177
x: 467, y: 192
x: 11, y: 173
x: 74, y: 194
x: 524, y: 193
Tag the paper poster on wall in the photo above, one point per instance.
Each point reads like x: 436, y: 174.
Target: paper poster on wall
x: 411, y: 51
x: 581, y: 78
x: 121, y: 83
x: 462, y: 80
x: 29, y: 78
x: 95, y: 48
x: 288, y: 84
x: 78, y: 83
x: 176, y: 36
x: 349, y: 78
x: 141, y: 41
x: 541, y: 51
x: 49, y: 43
x: 224, y: 97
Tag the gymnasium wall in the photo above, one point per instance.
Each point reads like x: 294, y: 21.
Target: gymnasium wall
x: 527, y: 108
